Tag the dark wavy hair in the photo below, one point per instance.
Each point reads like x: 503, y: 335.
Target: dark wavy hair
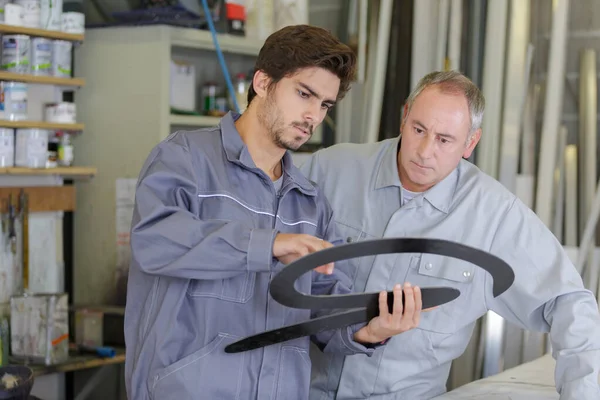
x: 302, y: 46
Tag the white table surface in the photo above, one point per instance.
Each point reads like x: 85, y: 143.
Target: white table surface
x: 529, y: 381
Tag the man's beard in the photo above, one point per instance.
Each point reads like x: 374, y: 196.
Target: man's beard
x: 270, y: 117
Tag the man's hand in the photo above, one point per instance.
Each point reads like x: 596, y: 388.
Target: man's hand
x: 288, y: 247
x: 400, y: 320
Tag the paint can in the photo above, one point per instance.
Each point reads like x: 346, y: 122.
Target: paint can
x: 13, y: 101
x: 51, y: 15
x: 73, y: 22
x: 3, y: 4
x: 61, y: 58
x: 31, y: 12
x: 16, y: 53
x: 7, y: 147
x: 41, y: 56
x: 31, y: 149
x: 63, y: 113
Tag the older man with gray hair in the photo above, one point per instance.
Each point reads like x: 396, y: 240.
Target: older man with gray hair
x: 421, y: 185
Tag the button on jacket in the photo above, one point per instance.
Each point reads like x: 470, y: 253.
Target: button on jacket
x: 362, y: 185
x: 202, y: 233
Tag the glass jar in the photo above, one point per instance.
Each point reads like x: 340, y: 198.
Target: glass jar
x: 65, y: 150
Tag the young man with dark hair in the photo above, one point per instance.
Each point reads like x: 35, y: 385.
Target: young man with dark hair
x: 218, y: 213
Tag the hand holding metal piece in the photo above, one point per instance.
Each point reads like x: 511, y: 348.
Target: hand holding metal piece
x: 364, y: 306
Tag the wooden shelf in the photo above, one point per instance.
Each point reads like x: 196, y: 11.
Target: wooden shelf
x: 41, y: 125
x: 194, y: 120
x: 62, y: 171
x: 21, y: 30
x: 76, y: 362
x: 45, y: 80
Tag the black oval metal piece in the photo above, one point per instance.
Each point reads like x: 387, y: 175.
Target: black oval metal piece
x: 283, y: 291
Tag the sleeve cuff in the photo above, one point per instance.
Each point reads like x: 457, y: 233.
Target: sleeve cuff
x: 351, y: 344
x: 260, y: 250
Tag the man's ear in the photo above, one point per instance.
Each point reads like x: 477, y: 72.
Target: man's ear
x: 260, y: 83
x: 471, y: 143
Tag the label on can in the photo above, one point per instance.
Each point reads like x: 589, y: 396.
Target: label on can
x: 14, y: 100
x: 16, y: 53
x: 41, y: 56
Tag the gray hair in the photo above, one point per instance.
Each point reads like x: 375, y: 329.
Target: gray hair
x: 456, y: 83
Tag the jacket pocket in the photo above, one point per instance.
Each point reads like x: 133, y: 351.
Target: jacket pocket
x: 356, y: 267
x: 238, y: 289
x: 294, y: 374
x: 429, y: 270
x: 208, y: 373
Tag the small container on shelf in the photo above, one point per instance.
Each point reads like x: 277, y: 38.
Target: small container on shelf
x: 65, y: 149
x: 7, y: 147
x: 31, y: 12
x: 41, y: 56
x: 16, y: 54
x: 53, y: 142
x: 31, y: 148
x: 62, y: 112
x: 73, y: 22
x: 89, y: 328
x: 61, y: 58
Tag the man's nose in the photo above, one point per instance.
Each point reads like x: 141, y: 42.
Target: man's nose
x: 426, y: 147
x: 312, y: 113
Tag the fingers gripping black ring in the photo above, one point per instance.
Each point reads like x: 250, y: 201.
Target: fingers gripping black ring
x: 364, y: 306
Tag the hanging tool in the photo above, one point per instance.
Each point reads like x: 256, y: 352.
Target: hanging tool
x: 12, y: 235
x: 24, y: 215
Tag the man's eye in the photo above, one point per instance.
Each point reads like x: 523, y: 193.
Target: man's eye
x: 303, y: 94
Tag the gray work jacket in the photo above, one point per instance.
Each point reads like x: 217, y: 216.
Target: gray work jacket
x: 361, y: 183
x: 201, y: 240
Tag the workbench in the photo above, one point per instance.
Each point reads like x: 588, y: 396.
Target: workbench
x: 529, y: 381
x: 79, y: 362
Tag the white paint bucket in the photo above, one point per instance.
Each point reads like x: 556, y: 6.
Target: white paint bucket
x: 61, y: 58
x: 13, y: 101
x: 16, y: 53
x: 63, y: 113
x: 13, y: 14
x: 51, y: 15
x: 7, y: 147
x: 31, y: 12
x: 3, y: 3
x: 73, y: 22
x: 31, y: 148
x: 41, y: 56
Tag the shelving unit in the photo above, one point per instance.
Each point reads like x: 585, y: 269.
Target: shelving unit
x: 64, y: 83
x: 126, y: 112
